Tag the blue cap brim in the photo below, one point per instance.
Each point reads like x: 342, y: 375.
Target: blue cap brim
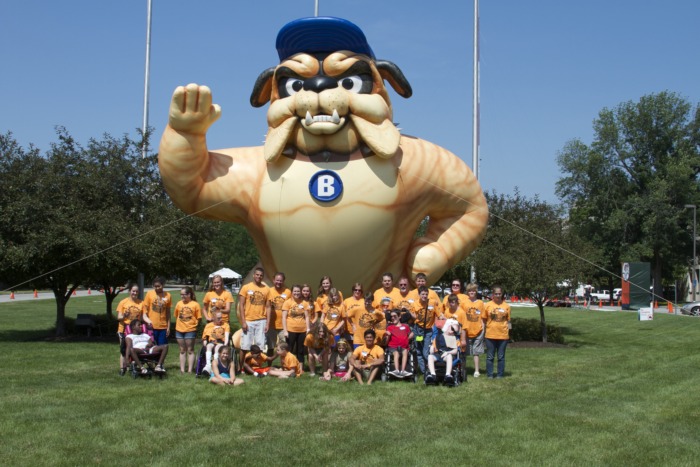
x: 321, y: 34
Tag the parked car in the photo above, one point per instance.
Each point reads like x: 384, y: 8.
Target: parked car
x: 692, y: 309
x: 617, y: 293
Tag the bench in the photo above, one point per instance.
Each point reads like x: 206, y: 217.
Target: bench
x: 87, y: 321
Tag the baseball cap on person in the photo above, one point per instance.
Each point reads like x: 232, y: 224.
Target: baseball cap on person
x: 322, y: 34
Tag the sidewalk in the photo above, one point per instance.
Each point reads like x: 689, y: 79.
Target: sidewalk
x: 45, y: 296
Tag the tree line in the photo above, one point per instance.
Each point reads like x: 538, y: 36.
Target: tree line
x: 98, y: 215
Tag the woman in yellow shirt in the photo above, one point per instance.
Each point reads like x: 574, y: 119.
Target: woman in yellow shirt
x: 497, y: 332
x: 187, y: 316
x: 295, y: 319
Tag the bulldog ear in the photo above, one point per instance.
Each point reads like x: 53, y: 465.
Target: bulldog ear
x: 262, y: 90
x: 390, y: 72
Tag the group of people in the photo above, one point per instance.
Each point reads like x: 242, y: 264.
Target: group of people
x: 339, y: 337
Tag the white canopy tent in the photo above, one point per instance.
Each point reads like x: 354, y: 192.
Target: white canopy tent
x: 231, y: 278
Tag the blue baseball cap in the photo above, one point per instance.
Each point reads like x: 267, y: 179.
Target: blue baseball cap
x: 321, y: 34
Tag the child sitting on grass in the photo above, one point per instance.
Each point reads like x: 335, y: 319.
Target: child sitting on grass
x: 223, y: 370
x: 339, y: 364
x: 256, y: 363
x: 318, y: 345
x: 289, y: 364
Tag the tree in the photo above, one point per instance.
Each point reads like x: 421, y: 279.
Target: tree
x: 95, y: 215
x: 626, y: 191
x: 235, y: 248
x: 529, y: 250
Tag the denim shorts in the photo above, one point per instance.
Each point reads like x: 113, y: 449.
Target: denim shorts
x: 185, y: 335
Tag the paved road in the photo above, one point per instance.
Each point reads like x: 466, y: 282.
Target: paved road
x: 43, y: 296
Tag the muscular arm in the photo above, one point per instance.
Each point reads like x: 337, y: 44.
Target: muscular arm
x: 216, y: 185
x: 452, y: 198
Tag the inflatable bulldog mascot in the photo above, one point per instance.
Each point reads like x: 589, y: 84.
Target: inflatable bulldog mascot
x: 336, y: 189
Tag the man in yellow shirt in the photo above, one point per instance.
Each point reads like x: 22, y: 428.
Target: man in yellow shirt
x: 252, y: 311
x: 422, y: 281
x: 367, y: 359
x: 424, y: 311
x: 386, y: 291
x: 275, y: 299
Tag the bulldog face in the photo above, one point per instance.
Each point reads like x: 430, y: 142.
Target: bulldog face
x: 328, y: 105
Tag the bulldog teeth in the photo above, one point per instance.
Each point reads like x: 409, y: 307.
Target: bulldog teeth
x: 309, y: 120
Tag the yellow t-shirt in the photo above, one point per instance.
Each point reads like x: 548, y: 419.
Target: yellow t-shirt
x: 255, y: 301
x: 352, y: 304
x: 404, y: 302
x: 187, y: 316
x: 362, y: 354
x: 214, y: 302
x: 276, y: 300
x: 216, y: 333
x: 291, y: 362
x: 380, y: 294
x: 425, y: 315
x: 321, y: 302
x: 432, y: 295
x: 364, y: 320
x: 475, y: 318
x: 156, y: 308
x: 130, y: 309
x: 296, y: 314
x: 260, y: 362
x: 334, y: 315
x: 462, y: 300
x: 325, y: 344
x: 497, y: 319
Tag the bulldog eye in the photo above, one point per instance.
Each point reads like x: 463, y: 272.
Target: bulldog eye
x: 290, y: 86
x: 358, y: 84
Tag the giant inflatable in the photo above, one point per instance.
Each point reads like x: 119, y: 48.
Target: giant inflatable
x: 336, y: 189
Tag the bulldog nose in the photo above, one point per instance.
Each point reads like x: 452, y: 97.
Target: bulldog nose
x: 319, y: 83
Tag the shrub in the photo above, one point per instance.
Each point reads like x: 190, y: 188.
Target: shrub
x: 529, y: 330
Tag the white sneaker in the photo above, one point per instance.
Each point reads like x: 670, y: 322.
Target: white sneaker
x: 476, y: 374
x: 207, y: 369
x: 406, y: 374
x: 396, y: 373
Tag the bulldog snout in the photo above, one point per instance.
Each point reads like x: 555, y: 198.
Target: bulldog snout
x: 319, y: 83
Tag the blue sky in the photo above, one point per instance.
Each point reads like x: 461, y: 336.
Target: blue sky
x: 547, y: 68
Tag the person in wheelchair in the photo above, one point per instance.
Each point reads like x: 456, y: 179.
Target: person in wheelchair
x: 214, y: 337
x: 398, y: 337
x: 140, y: 345
x: 444, y: 349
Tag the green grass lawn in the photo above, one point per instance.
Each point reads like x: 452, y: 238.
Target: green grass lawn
x: 621, y: 393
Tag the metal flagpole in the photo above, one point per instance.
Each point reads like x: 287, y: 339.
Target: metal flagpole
x: 147, y: 76
x: 316, y: 8
x: 475, y: 109
x: 140, y: 278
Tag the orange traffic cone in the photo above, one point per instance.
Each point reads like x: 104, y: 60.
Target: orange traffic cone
x: 670, y: 307
x: 36, y: 294
x: 89, y: 292
x: 75, y: 293
x: 600, y: 304
x: 12, y: 295
x: 656, y: 304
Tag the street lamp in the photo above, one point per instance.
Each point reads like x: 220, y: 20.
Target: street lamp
x: 695, y: 258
